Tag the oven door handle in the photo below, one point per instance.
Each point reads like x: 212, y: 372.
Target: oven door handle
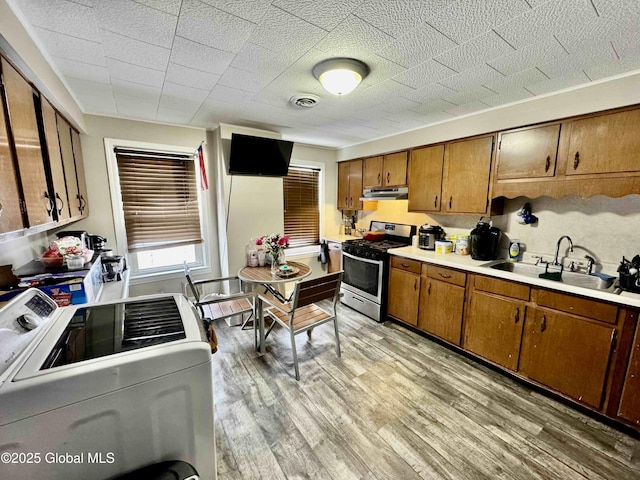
x: 362, y: 259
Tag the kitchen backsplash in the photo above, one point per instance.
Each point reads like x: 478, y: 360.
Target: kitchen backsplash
x: 603, y: 227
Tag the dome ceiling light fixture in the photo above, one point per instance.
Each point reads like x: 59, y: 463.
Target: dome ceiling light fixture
x: 340, y: 76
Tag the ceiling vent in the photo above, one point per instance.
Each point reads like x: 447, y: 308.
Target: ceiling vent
x: 305, y: 100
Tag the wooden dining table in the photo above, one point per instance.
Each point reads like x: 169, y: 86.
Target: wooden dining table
x: 265, y: 277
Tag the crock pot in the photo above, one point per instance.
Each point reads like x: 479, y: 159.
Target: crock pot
x: 427, y: 236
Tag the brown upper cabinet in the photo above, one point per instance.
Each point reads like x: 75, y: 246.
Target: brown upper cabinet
x: 55, y: 161
x: 23, y: 128
x: 605, y: 144
x: 80, y: 177
x: 466, y: 175
x: 10, y: 213
x: 528, y: 152
x: 73, y: 167
x: 350, y: 185
x: 425, y: 178
x: 386, y: 170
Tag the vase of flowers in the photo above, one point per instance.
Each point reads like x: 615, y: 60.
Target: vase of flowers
x: 274, y: 246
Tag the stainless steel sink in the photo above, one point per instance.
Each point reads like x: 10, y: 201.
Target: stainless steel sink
x: 569, y: 278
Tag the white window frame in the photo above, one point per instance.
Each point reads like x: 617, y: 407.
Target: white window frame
x: 290, y: 252
x: 152, y: 274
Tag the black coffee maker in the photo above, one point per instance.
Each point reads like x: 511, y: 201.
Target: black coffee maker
x: 96, y: 243
x: 485, y: 240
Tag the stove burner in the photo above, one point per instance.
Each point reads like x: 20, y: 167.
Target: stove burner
x: 382, y: 245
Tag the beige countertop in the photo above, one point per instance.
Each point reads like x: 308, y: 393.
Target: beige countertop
x: 465, y: 262
x: 339, y: 237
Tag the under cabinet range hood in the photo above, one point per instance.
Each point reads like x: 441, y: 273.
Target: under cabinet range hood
x: 399, y: 193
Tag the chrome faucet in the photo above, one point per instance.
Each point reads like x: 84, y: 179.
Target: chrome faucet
x: 555, y: 261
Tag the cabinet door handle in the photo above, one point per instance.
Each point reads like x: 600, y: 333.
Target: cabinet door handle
x: 405, y: 265
x: 350, y: 201
x: 450, y: 200
x: 346, y: 201
x: 1, y: 207
x: 61, y: 203
x: 429, y: 289
x: 547, y: 164
x: 379, y: 178
x: 435, y: 202
x: 576, y: 161
x: 52, y: 205
x: 415, y: 284
x: 444, y: 275
x: 543, y: 324
x: 81, y: 203
x: 516, y: 315
x: 388, y: 177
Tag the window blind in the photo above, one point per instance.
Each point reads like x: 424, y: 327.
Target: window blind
x: 159, y: 199
x: 302, y: 206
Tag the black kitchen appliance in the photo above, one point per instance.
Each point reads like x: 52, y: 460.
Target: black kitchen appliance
x: 629, y: 271
x: 112, y: 267
x: 427, y: 236
x: 96, y: 243
x: 485, y: 240
x: 366, y: 268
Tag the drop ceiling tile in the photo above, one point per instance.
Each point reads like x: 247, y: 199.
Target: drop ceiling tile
x: 558, y: 83
x: 87, y: 87
x: 508, y: 96
x: 612, y: 67
x: 86, y: 3
x: 99, y: 104
x: 480, y: 50
x: 169, y: 115
x: 616, y: 9
x: 352, y: 36
x: 254, y: 58
x: 62, y: 16
x: 168, y: 6
x: 592, y: 54
x: 463, y: 20
x: 134, y: 20
x: 247, y: 81
x: 252, y: 10
x: 220, y: 93
x: 429, y: 92
x: 134, y: 100
x: 190, y: 77
x: 397, y: 17
x: 326, y: 14
x: 417, y: 46
x: 481, y: 75
x: 183, y: 92
x: 209, y: 26
x: 134, y: 51
x: 529, y: 56
x: 467, y: 108
x: 567, y: 17
x: 132, y: 89
x: 84, y: 71
x: 435, y: 117
x: 516, y: 81
x: 199, y: 57
x: 72, y: 48
x: 281, y: 31
x: 424, y: 74
x: 134, y: 73
x: 433, y: 106
x: 468, y: 95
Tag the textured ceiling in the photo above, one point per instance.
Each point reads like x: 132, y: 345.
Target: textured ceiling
x: 199, y: 63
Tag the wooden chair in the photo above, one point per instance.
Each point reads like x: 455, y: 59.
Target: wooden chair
x: 302, y: 314
x: 220, y: 306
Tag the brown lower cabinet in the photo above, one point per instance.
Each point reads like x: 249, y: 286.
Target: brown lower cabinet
x: 568, y: 354
x: 441, y: 306
x: 493, y: 328
x: 629, y: 408
x: 404, y: 291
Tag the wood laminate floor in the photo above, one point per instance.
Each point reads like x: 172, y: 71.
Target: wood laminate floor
x: 394, y: 406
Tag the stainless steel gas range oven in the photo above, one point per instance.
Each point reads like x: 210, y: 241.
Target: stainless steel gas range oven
x: 366, y: 268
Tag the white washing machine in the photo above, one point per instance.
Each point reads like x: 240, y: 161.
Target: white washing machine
x: 98, y: 390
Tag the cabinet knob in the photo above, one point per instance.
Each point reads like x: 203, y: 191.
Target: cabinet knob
x: 543, y: 323
x: 516, y: 315
x: 576, y: 161
x: 547, y: 164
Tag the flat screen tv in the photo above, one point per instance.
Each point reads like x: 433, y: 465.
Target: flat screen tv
x: 259, y: 156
